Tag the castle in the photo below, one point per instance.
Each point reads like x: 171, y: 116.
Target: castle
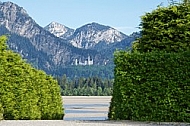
x: 88, y: 61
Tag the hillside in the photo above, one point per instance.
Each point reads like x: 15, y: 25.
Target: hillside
x: 57, y: 47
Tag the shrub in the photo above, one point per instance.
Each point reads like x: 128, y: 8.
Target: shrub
x: 151, y: 87
x: 26, y: 93
x: 165, y: 29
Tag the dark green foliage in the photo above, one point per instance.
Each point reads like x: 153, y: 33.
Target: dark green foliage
x: 166, y: 29
x: 92, y: 86
x: 152, y: 83
x: 186, y: 1
x: 72, y: 71
x: 151, y: 87
x: 26, y: 93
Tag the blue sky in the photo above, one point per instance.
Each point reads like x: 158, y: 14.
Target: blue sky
x: 124, y: 15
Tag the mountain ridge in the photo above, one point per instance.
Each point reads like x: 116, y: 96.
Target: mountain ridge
x: 53, y: 53
x: 90, y: 34
x: 17, y: 22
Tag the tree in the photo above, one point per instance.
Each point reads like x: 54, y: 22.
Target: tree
x: 186, y: 1
x: 91, y: 86
x: 165, y: 29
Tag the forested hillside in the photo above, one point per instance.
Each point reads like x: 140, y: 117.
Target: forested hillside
x: 72, y: 71
x: 26, y: 93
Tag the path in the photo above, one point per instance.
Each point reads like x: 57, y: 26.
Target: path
x: 86, y: 107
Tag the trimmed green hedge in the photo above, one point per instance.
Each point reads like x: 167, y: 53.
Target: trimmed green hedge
x: 26, y: 93
x: 165, y: 29
x: 151, y: 87
x: 1, y: 112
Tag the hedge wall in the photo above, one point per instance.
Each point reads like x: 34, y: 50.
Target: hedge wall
x: 151, y: 87
x: 26, y: 93
x: 1, y: 112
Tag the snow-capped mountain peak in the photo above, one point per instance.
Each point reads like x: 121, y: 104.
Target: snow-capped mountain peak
x: 59, y: 30
x: 87, y: 36
x: 91, y: 34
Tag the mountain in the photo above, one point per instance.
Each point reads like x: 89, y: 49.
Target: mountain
x: 59, y: 30
x: 97, y: 37
x: 58, y: 52
x: 125, y: 44
x: 24, y: 47
x: 57, y: 47
x: 88, y: 36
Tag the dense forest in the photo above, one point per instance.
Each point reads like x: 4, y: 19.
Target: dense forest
x: 72, y: 71
x: 92, y: 86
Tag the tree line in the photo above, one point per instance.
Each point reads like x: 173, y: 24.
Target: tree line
x: 91, y: 86
x: 72, y: 71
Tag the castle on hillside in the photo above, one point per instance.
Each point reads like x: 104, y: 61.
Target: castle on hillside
x: 88, y: 61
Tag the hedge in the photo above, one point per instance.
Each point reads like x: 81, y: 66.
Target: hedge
x: 25, y: 92
x: 1, y: 112
x: 151, y: 87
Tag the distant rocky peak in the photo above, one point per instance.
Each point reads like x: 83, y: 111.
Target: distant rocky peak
x: 12, y: 6
x: 59, y: 30
x: 55, y: 25
x: 89, y: 35
x: 16, y: 20
x: 93, y: 26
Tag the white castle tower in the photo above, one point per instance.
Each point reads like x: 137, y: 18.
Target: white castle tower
x: 88, y: 61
